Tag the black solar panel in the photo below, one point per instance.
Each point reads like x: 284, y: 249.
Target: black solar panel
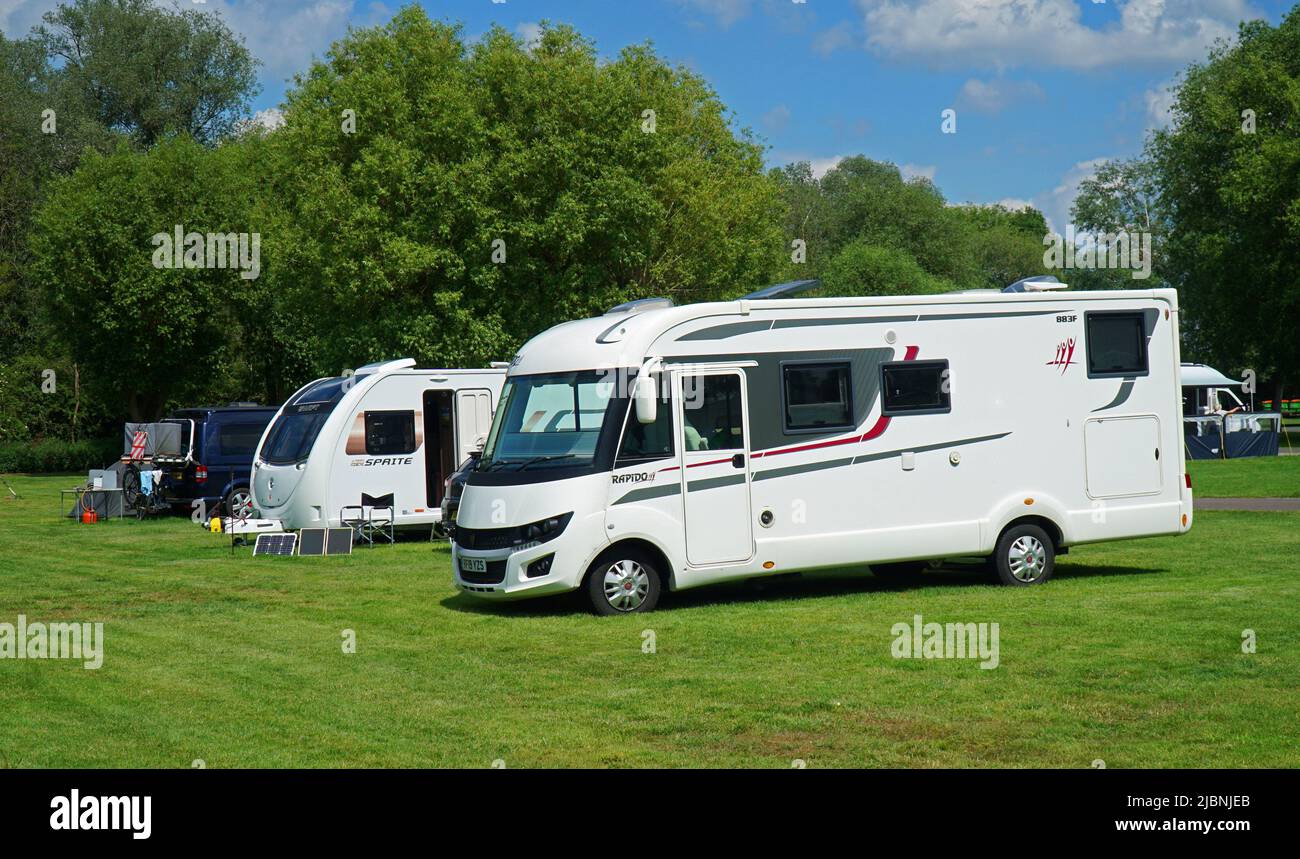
x: 275, y: 544
x: 311, y: 541
x: 340, y: 541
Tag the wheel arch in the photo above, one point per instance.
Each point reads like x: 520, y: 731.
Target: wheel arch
x: 1053, y: 530
x: 656, y: 553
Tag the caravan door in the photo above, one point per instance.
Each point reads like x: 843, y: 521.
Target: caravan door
x: 713, y: 445
x: 473, y: 419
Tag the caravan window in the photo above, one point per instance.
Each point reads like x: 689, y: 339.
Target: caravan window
x: 390, y: 433
x: 817, y: 396
x: 915, y: 388
x: 295, y: 430
x: 1117, y: 344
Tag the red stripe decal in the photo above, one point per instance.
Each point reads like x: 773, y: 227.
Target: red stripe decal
x: 876, y: 431
x: 882, y: 424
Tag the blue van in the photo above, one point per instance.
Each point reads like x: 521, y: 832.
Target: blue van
x: 219, y: 442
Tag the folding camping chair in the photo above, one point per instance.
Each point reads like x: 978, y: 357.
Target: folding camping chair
x: 372, y: 518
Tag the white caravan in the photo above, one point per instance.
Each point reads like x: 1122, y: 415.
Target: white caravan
x: 762, y: 437
x: 387, y: 436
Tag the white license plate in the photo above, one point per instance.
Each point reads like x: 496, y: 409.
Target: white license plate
x: 473, y: 565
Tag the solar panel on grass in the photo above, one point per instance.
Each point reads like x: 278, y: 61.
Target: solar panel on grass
x: 275, y: 544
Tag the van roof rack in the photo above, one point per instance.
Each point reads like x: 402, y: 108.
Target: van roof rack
x: 782, y: 290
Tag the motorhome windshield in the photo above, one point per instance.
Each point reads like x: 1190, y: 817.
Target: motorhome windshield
x: 549, y: 420
x: 295, y: 430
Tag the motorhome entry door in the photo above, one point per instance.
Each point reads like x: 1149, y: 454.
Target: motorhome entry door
x: 713, y: 445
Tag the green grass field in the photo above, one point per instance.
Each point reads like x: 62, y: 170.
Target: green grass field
x: 1265, y: 476
x: 1132, y: 655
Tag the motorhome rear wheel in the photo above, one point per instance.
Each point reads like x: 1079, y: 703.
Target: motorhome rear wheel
x: 1026, y: 555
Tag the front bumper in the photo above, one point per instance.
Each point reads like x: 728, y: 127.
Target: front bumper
x: 507, y: 570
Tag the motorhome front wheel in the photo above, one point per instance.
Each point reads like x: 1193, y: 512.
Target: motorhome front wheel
x: 622, y: 582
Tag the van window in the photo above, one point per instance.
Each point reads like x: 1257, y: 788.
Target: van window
x: 646, y: 442
x: 915, y: 387
x: 239, y: 439
x: 817, y: 396
x: 712, y: 413
x: 1117, y: 344
x: 390, y: 433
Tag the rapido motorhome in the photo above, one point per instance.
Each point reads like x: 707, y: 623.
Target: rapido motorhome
x: 388, y: 435
x: 769, y: 436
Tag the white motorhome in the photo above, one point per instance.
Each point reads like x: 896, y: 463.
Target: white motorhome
x: 767, y: 436
x: 385, y: 437
x: 1206, y: 391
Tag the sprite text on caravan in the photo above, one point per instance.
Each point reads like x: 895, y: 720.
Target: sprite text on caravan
x: 920, y: 640
x: 75, y: 811
x: 84, y: 641
x: 180, y: 249
x: 1082, y: 250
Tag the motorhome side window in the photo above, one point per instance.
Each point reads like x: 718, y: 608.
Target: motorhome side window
x: 915, y: 387
x: 1117, y: 344
x: 390, y: 433
x: 712, y: 413
x: 817, y: 396
x: 645, y: 442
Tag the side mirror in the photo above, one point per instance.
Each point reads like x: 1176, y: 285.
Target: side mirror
x: 646, y: 399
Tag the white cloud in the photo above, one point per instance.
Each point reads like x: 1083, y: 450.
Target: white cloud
x: 918, y: 171
x: 776, y: 119
x: 831, y: 40
x: 270, y: 119
x: 725, y: 12
x: 1158, y: 102
x: 531, y: 33
x: 1008, y: 33
x: 285, y: 34
x: 994, y: 96
x: 1056, y: 203
x: 17, y: 17
x: 822, y: 166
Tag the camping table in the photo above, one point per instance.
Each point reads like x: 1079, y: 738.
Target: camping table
x: 81, y: 491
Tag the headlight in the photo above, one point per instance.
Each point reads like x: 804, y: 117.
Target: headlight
x: 546, y: 529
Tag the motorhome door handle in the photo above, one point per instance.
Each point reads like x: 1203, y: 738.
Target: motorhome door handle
x: 738, y: 461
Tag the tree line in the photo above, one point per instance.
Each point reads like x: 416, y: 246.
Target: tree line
x: 425, y: 196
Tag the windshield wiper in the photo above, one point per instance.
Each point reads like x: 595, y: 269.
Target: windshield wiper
x: 550, y: 458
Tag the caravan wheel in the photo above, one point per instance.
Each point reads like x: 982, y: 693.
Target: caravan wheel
x: 622, y: 581
x: 1025, y: 555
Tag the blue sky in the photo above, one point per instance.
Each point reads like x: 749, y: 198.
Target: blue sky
x: 1043, y: 89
